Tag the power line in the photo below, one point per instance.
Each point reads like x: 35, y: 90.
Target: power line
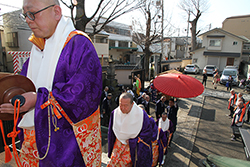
x: 9, y: 6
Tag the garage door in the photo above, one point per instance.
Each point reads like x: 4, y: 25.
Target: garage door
x: 212, y: 60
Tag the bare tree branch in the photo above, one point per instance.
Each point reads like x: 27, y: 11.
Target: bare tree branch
x: 65, y: 4
x: 98, y: 7
x: 196, y: 8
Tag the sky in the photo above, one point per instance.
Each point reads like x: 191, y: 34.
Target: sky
x: 218, y: 11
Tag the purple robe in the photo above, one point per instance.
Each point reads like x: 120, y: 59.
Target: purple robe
x: 162, y: 137
x: 154, y: 128
x: 144, y: 154
x: 166, y: 135
x: 77, y: 87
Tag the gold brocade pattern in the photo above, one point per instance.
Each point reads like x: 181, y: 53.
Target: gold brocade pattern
x: 88, y: 136
x: 155, y: 149
x: 29, y: 153
x: 120, y: 155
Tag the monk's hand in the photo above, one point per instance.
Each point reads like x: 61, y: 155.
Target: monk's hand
x: 30, y: 102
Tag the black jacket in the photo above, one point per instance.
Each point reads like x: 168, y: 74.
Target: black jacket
x: 146, y: 105
x: 172, y: 113
x: 106, y: 106
x: 159, y: 108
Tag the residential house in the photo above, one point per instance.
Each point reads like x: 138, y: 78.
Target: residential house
x: 121, y: 47
x: 220, y: 48
x: 238, y: 25
x: 177, y: 47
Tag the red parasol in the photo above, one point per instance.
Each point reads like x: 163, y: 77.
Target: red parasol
x: 178, y: 85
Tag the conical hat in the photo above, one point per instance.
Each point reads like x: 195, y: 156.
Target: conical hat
x: 10, y: 86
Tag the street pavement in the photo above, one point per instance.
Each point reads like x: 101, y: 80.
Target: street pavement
x: 214, y: 133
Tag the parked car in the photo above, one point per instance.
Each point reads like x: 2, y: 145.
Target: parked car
x: 231, y: 67
x: 210, y: 69
x: 192, y: 68
x: 226, y: 73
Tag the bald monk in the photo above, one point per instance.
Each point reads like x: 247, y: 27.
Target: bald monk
x: 65, y: 69
x: 130, y: 135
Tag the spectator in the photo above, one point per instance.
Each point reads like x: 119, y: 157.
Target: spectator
x: 216, y: 80
x: 153, y: 92
x: 104, y: 93
x: 172, y: 110
x: 232, y: 102
x: 230, y: 82
x: 146, y: 104
x: 141, y: 98
x: 215, y: 71
x: 204, y: 81
x: 106, y: 109
x: 248, y: 115
x: 160, y: 107
x: 127, y: 63
x: 237, y: 120
x: 131, y: 92
x: 117, y: 98
x: 240, y: 97
x: 138, y: 85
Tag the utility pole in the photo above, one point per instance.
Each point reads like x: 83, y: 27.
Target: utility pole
x: 162, y: 30
x: 186, y: 50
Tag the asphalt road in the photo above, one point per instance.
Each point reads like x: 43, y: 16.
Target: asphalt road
x: 214, y: 133
x: 220, y: 87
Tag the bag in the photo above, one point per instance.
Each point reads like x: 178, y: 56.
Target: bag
x: 218, y: 79
x: 227, y: 84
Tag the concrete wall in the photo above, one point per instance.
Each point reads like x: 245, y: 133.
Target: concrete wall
x: 179, y: 54
x: 175, y: 65
x: 185, y: 62
x: 201, y: 60
x: 172, y: 64
x: 122, y: 76
x: 115, y: 53
x: 238, y: 26
x: 102, y: 49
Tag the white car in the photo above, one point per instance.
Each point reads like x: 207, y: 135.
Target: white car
x: 210, y: 69
x: 226, y: 73
x: 192, y: 68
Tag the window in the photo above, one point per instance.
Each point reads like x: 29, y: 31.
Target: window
x: 12, y: 39
x: 215, y: 42
x: 235, y: 43
x: 123, y: 44
x: 111, y: 43
x: 246, y: 46
x: 101, y: 39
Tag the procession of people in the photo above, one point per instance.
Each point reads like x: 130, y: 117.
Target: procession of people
x: 133, y: 122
